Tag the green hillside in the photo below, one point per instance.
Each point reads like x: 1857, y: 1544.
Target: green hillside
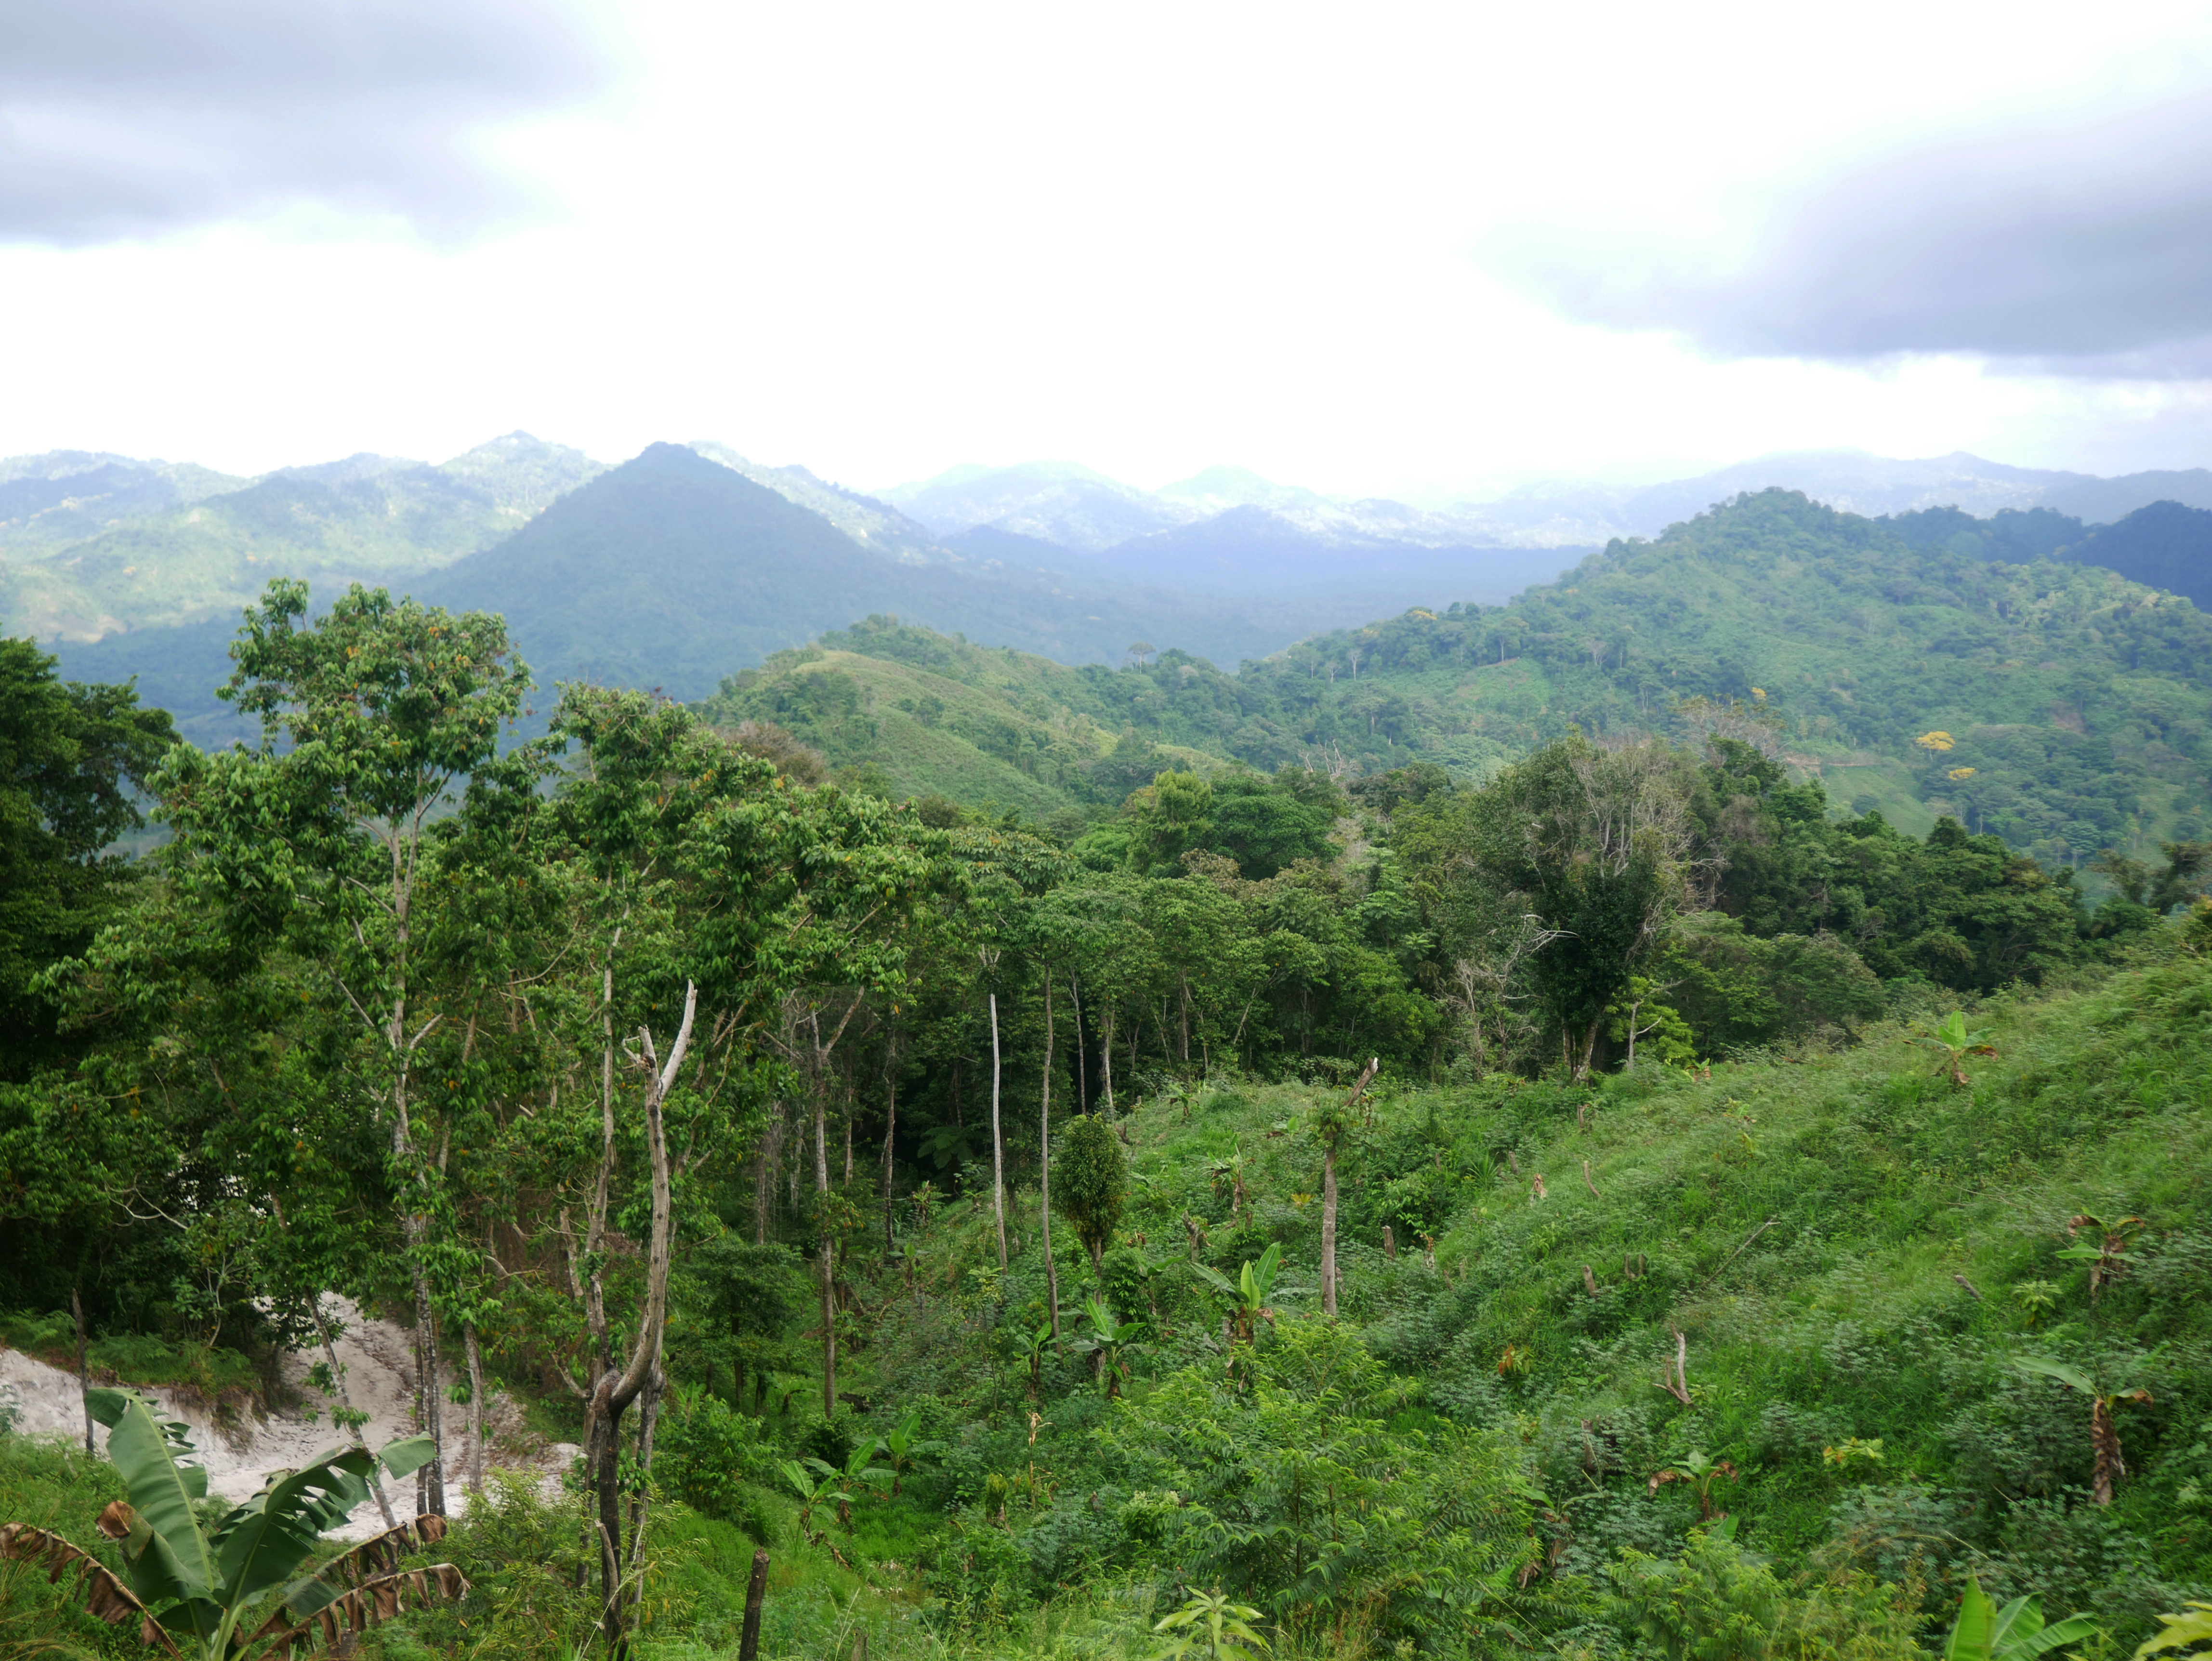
x: 2076, y: 706
x: 199, y: 554
x: 1622, y: 1209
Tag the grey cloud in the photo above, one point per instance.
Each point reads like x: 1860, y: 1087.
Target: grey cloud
x: 2083, y: 250
x: 134, y: 118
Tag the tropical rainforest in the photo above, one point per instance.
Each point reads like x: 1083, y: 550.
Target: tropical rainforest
x: 1667, y: 1118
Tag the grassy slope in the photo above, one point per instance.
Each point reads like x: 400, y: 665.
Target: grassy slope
x: 2082, y: 702
x: 1843, y: 1318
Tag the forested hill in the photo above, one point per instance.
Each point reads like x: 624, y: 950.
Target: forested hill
x: 2063, y: 707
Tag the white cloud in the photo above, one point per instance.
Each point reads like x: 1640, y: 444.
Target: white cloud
x: 880, y: 239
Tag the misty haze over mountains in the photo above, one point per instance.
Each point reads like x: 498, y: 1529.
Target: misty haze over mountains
x: 1076, y: 508
x: 692, y: 562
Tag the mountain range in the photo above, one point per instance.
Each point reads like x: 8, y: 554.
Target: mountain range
x: 1076, y: 508
x: 691, y: 563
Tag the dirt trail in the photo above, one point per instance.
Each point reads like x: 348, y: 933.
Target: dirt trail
x: 241, y: 1449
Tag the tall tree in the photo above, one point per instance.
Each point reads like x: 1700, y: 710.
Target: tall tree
x: 70, y: 757
x: 1599, y: 843
x: 371, y: 716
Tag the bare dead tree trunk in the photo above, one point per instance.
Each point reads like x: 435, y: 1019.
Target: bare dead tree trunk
x: 1106, y: 1055
x: 353, y: 1430
x: 1044, y: 1169
x: 1328, y: 1190
x: 476, y: 1409
x: 1082, y: 1051
x: 1328, y: 1228
x: 764, y: 1174
x: 756, y: 1594
x: 998, y: 1143
x: 826, y: 1252
x: 83, y: 1378
x: 613, y: 1391
x: 890, y: 1125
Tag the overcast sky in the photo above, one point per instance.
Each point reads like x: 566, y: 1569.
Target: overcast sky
x: 1373, y: 249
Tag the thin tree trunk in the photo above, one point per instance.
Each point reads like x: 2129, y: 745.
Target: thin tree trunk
x: 828, y: 1258
x: 1106, y: 1056
x: 1044, y: 1169
x: 890, y: 1129
x: 998, y: 1143
x: 337, y: 1383
x: 476, y: 1409
x: 764, y: 1175
x: 1082, y: 1050
x: 83, y: 1378
x: 1328, y: 1230
x: 849, y: 1106
x: 614, y: 1390
x: 649, y: 1421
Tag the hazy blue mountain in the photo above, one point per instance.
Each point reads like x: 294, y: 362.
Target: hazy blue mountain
x: 1254, y: 551
x: 164, y: 548
x: 866, y: 520
x: 69, y: 495
x: 1217, y: 489
x: 673, y: 570
x: 1052, y: 500
x: 2107, y: 501
x: 1850, y: 480
x: 2164, y: 546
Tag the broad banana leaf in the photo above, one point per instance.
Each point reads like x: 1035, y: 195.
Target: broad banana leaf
x: 371, y: 1603
x: 106, y: 1597
x: 2192, y: 1626
x: 164, y: 1552
x: 262, y: 1542
x: 2072, y: 1378
x: 373, y: 1559
x: 1973, y: 1634
x: 1983, y: 1631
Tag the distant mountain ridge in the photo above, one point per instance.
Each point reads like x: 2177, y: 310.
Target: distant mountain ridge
x: 1080, y: 508
x: 101, y: 544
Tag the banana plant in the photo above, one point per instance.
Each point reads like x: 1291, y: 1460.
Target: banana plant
x: 1247, y: 1292
x: 1031, y: 1348
x: 2104, y: 1433
x: 1983, y: 1631
x: 2192, y: 1627
x: 826, y: 1485
x: 1227, y: 1177
x: 1952, y: 1037
x: 1700, y: 1473
x: 1111, y: 1342
x: 901, y: 1446
x: 815, y: 1487
x: 191, y: 1582
x: 2108, y: 1258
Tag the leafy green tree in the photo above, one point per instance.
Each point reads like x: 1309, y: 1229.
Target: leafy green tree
x: 70, y: 758
x: 1637, y: 1015
x: 1299, y: 1496
x: 1094, y: 1184
x: 1169, y: 817
x: 1599, y: 843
